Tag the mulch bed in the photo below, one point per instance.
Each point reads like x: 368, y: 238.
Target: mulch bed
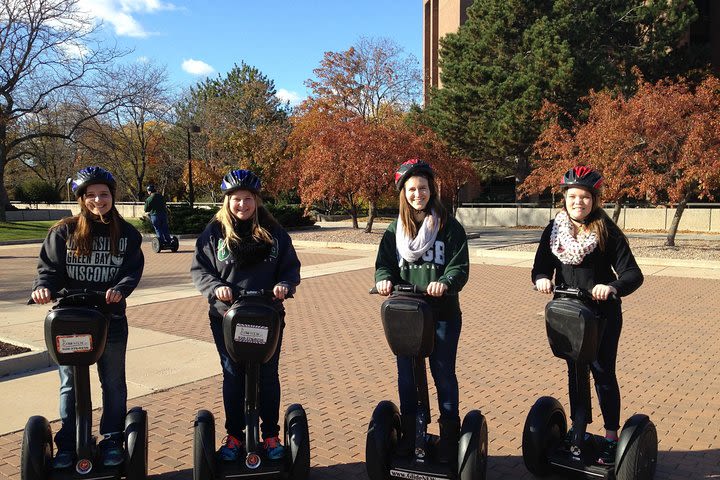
x: 7, y: 349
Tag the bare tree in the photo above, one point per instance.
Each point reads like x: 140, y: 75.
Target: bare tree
x: 48, y: 54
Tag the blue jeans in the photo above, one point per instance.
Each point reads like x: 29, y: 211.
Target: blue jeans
x: 234, y: 387
x: 111, y: 370
x: 442, y: 366
x: 160, y: 224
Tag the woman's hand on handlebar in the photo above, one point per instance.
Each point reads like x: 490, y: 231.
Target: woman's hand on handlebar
x: 41, y: 296
x: 544, y: 285
x: 224, y: 294
x: 384, y: 287
x: 603, y: 292
x: 113, y: 296
x: 436, y: 289
x: 280, y: 291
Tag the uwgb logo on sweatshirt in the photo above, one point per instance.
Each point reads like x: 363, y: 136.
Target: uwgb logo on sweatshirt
x: 100, y: 266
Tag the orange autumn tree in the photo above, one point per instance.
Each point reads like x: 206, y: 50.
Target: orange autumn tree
x: 661, y: 145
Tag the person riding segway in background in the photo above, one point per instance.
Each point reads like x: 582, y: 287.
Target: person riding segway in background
x: 97, y: 250
x: 427, y: 248
x: 580, y: 248
x: 157, y: 211
x: 245, y: 248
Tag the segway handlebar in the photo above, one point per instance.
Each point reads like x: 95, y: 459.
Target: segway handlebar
x: 575, y: 292
x: 402, y: 288
x: 66, y: 293
x: 262, y: 292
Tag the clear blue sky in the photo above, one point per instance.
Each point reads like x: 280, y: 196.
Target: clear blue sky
x: 284, y: 39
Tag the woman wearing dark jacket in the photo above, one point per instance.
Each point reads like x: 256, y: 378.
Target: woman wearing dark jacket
x: 580, y: 248
x: 97, y: 250
x: 243, y: 247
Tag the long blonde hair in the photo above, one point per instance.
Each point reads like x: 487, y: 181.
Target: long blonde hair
x: 81, y: 237
x: 228, y: 222
x: 434, y: 204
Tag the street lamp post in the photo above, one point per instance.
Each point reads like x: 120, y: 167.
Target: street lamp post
x: 67, y: 184
x: 191, y: 191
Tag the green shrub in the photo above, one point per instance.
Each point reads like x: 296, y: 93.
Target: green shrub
x: 36, y: 191
x: 183, y: 220
x: 290, y: 215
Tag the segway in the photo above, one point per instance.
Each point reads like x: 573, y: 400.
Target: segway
x: 409, y: 325
x: 251, y: 329
x: 574, y: 329
x: 75, y: 333
x: 158, y: 245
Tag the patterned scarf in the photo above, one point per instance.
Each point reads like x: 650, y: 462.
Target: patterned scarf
x: 411, y: 249
x: 569, y: 249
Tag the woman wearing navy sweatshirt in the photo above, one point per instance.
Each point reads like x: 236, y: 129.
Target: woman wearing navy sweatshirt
x: 244, y: 247
x: 581, y: 247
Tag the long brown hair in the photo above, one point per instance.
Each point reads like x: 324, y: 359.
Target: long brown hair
x: 80, y: 226
x: 228, y: 222
x: 434, y: 204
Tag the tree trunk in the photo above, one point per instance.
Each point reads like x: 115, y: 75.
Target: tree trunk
x: 4, y: 200
x: 353, y: 212
x: 371, y: 216
x: 617, y: 210
x: 670, y: 240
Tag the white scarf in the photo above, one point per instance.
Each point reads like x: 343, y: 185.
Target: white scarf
x: 569, y: 249
x: 411, y: 249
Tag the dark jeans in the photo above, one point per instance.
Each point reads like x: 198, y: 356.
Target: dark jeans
x: 442, y: 367
x: 234, y: 387
x: 603, y: 369
x: 111, y: 370
x: 160, y: 224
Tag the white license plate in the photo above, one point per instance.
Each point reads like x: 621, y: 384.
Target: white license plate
x: 74, y: 343
x: 257, y: 334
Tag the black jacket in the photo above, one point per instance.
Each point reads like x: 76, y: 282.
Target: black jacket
x: 59, y: 267
x: 597, y: 266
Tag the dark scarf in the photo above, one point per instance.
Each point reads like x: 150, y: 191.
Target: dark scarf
x: 249, y: 250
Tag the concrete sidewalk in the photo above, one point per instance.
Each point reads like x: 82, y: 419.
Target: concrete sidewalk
x: 336, y: 363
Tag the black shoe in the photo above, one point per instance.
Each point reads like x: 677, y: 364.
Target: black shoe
x: 449, y: 437
x: 607, y: 455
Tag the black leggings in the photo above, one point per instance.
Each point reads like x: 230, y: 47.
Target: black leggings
x: 603, y: 369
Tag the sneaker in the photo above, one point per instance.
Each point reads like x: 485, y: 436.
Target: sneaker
x: 273, y: 448
x: 231, y: 449
x: 607, y: 455
x: 63, y: 459
x: 111, y: 452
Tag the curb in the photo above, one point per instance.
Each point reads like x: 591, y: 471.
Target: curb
x: 25, y: 362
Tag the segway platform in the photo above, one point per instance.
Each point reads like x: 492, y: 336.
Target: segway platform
x: 158, y: 246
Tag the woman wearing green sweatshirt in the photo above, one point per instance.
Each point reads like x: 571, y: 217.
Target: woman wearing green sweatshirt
x: 427, y: 248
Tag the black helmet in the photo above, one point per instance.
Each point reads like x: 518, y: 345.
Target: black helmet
x: 414, y: 166
x: 90, y: 176
x: 151, y: 188
x: 240, y: 180
x: 584, y: 177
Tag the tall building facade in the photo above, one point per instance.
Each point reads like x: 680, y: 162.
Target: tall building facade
x: 440, y: 17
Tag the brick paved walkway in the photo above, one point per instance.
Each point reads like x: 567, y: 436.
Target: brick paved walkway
x: 337, y: 364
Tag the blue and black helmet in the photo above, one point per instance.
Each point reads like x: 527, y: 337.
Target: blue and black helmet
x: 90, y: 176
x: 240, y: 180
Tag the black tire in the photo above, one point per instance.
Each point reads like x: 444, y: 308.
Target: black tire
x: 204, y: 467
x: 545, y: 428
x: 297, y: 442
x: 136, y: 444
x: 636, y: 457
x: 473, y: 447
x: 36, y: 450
x: 174, y: 244
x: 382, y: 436
x: 156, y: 246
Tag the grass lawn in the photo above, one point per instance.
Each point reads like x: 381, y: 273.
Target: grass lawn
x: 35, y: 230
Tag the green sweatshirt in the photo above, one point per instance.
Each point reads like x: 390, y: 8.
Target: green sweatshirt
x: 447, y: 261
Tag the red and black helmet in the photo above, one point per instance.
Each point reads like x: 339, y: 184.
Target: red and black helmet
x: 414, y: 166
x: 583, y: 177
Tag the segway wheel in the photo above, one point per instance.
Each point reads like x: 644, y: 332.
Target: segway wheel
x: 136, y: 444
x: 382, y: 437
x: 545, y: 429
x: 297, y: 441
x: 156, y: 245
x: 174, y: 244
x: 636, y: 455
x: 473, y: 447
x: 36, y: 450
x: 204, y: 446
